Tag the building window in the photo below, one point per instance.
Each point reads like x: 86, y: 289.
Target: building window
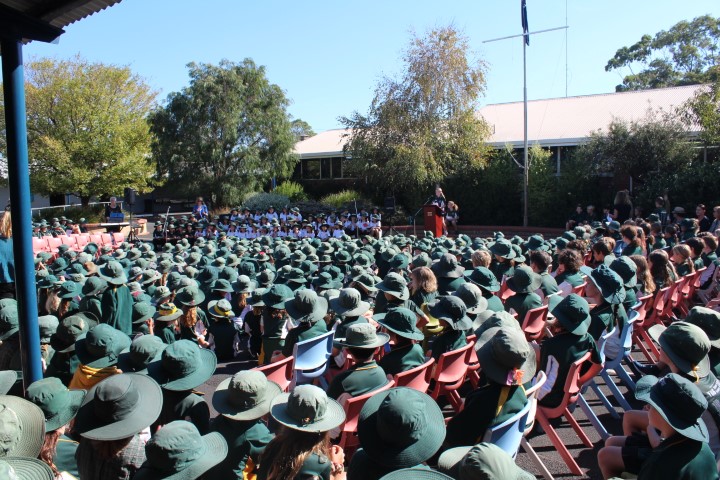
x: 337, y: 170
x: 325, y: 168
x: 311, y: 169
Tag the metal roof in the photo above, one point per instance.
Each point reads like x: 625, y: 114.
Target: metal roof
x: 58, y: 13
x: 552, y: 122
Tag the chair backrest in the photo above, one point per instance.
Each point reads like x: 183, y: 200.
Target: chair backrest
x: 534, y: 324
x: 452, y: 366
x: 53, y: 243
x: 580, y: 289
x: 68, y: 240
x: 279, y: 372
x: 531, y: 393
x: 96, y: 238
x: 107, y: 239
x: 509, y: 434
x: 643, y: 306
x: 354, y: 405
x: 695, y: 284
x: 313, y: 352
x: 82, y: 240
x: 573, y: 383
x: 118, y: 238
x: 417, y: 378
x: 660, y: 300
x: 627, y: 331
x: 39, y: 245
x: 603, y: 341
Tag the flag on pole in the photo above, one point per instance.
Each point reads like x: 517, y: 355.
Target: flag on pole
x: 523, y: 11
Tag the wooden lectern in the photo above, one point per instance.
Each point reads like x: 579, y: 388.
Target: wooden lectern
x: 433, y: 220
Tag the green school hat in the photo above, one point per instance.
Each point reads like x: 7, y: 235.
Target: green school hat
x: 524, y: 280
x: 307, y: 408
x: 220, y: 309
x: 9, y: 318
x: 452, y: 310
x: 363, y: 335
x: 24, y: 468
x: 59, y: 405
x: 70, y: 330
x: 708, y: 320
x: 401, y: 321
x: 573, y: 313
x: 190, y: 296
x: 472, y: 297
x: 324, y: 280
x: 101, y: 346
x: 401, y: 427
x: 48, y: 325
x: 306, y: 306
x: 484, y: 278
x: 113, y: 273
x: 349, y: 303
x: 143, y: 350
x: 8, y: 378
x: 183, y: 366
x: 395, y: 285
x: 679, y: 402
x: 256, y: 299
x: 535, y: 242
x: 686, y: 344
x: 482, y: 461
x: 626, y: 269
x: 607, y: 281
x: 447, y: 267
x: 119, y: 407
x: 22, y: 427
x: 221, y: 285
x: 276, y: 296
x: 243, y: 284
x: 506, y: 356
x: 367, y: 281
x: 68, y: 290
x: 161, y: 292
x: 415, y: 473
x: 245, y: 396
x: 142, y: 311
x: 502, y: 248
x: 179, y: 452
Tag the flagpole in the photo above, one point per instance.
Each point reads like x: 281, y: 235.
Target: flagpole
x: 526, y: 165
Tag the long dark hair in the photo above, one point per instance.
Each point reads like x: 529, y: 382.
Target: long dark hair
x: 288, y: 450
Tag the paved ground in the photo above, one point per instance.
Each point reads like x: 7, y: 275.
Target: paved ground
x: 585, y: 457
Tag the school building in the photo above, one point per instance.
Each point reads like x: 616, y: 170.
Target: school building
x: 559, y: 124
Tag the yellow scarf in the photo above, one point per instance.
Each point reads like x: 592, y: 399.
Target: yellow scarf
x: 85, y: 377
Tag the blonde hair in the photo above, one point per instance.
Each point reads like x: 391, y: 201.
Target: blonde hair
x: 684, y: 252
x: 480, y: 258
x: 189, y: 318
x: 6, y: 225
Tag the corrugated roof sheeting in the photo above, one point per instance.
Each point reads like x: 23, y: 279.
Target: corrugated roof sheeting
x: 59, y: 13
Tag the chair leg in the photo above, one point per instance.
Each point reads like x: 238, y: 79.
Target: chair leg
x: 525, y: 445
x: 576, y: 426
x: 606, y: 403
x: 594, y: 420
x: 558, y: 443
x: 651, y: 344
x: 615, y: 390
x: 623, y: 375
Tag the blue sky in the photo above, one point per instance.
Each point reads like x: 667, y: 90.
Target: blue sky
x: 328, y: 55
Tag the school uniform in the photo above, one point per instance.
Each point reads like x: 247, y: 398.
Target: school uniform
x: 447, y: 285
x: 273, y: 336
x: 63, y: 366
x: 184, y: 405
x: 117, y: 303
x: 91, y: 304
x: 359, y: 379
x: 631, y: 250
x: 500, y: 269
x: 401, y: 359
x: 485, y: 407
x: 522, y: 303
x: 572, y: 279
x: 548, y: 285
x: 225, y: 336
x: 314, y: 466
x: 166, y: 332
x: 304, y: 331
x: 682, y: 269
x: 630, y: 298
x: 603, y: 319
x: 421, y: 297
x: 494, y: 303
x: 679, y: 457
x: 447, y: 341
x: 246, y: 442
x: 362, y: 467
x: 64, y: 458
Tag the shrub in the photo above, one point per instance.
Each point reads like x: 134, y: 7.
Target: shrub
x: 91, y: 213
x: 342, y: 198
x: 262, y: 201
x: 292, y: 190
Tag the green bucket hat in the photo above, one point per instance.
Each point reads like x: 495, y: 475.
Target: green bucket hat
x: 256, y: 299
x: 94, y: 286
x: 306, y: 306
x: 143, y: 350
x: 482, y: 461
x: 113, y: 273
x: 9, y: 318
x: 23, y: 468
x: 68, y: 290
x: 607, y: 281
x: 363, y: 335
x: 415, y: 473
x: 524, y: 280
x: 506, y: 356
x: 22, y: 427
x: 502, y: 248
x: 368, y: 282
x: 452, y: 310
x: 119, y: 407
x: 59, y: 405
x: 8, y: 379
x: 179, y: 452
x: 277, y: 295
x: 220, y: 309
x: 401, y: 321
x: 626, y: 269
x: 161, y: 292
x: 69, y: 331
x: 167, y: 312
x: 447, y: 267
x: 395, y: 285
x: 472, y: 297
x: 484, y: 278
x: 243, y: 284
x: 679, y: 402
x: 401, y: 427
x: 190, y: 296
x: 142, y: 311
x: 324, y: 280
x: 573, y: 313
x: 183, y: 366
x: 349, y: 303
x: 101, y: 346
x: 48, y: 325
x: 307, y: 408
x: 708, y: 320
x: 221, y: 285
x: 245, y: 396
x: 687, y: 345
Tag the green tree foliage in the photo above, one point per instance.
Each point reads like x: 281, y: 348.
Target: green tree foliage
x: 224, y: 135
x: 421, y: 127
x: 87, y: 128
x: 292, y: 190
x: 686, y: 54
x: 300, y: 128
x: 703, y: 110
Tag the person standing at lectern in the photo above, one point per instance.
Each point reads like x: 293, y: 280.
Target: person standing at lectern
x: 439, y: 201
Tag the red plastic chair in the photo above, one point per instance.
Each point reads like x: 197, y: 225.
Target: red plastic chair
x: 40, y: 245
x: 450, y: 375
x: 417, y: 378
x: 348, y: 432
x: 68, y: 240
x: 473, y: 364
x: 580, y: 289
x: 573, y: 384
x: 53, y: 244
x: 280, y: 372
x: 535, y: 324
x: 671, y: 301
x: 687, y: 291
x: 118, y: 238
x: 107, y: 239
x: 82, y: 240
x: 654, y: 315
x: 97, y: 239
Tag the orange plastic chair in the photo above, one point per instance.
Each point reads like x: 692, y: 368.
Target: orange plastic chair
x: 473, y: 364
x: 417, y: 378
x: 68, y: 240
x: 535, y: 323
x: 348, y: 432
x: 573, y: 384
x: 450, y: 375
x: 280, y: 372
x: 653, y: 315
x: 580, y: 289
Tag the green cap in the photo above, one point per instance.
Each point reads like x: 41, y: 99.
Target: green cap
x: 142, y: 311
x: 395, y: 285
x: 48, y: 326
x: 277, y: 295
x: 626, y: 268
x: 183, y: 366
x: 22, y: 468
x: 452, y: 310
x: 484, y: 278
x: 101, y: 346
x: 9, y: 318
x: 609, y: 283
x: 506, y: 356
x: 307, y: 408
x: 113, y: 273
x: 220, y: 309
x: 22, y: 427
x: 306, y: 306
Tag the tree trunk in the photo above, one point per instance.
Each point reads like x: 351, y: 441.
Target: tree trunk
x: 85, y: 201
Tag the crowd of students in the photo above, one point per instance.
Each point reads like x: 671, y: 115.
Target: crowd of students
x: 130, y: 333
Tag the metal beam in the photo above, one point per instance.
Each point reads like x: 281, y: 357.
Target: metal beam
x: 19, y: 181
x: 16, y: 25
